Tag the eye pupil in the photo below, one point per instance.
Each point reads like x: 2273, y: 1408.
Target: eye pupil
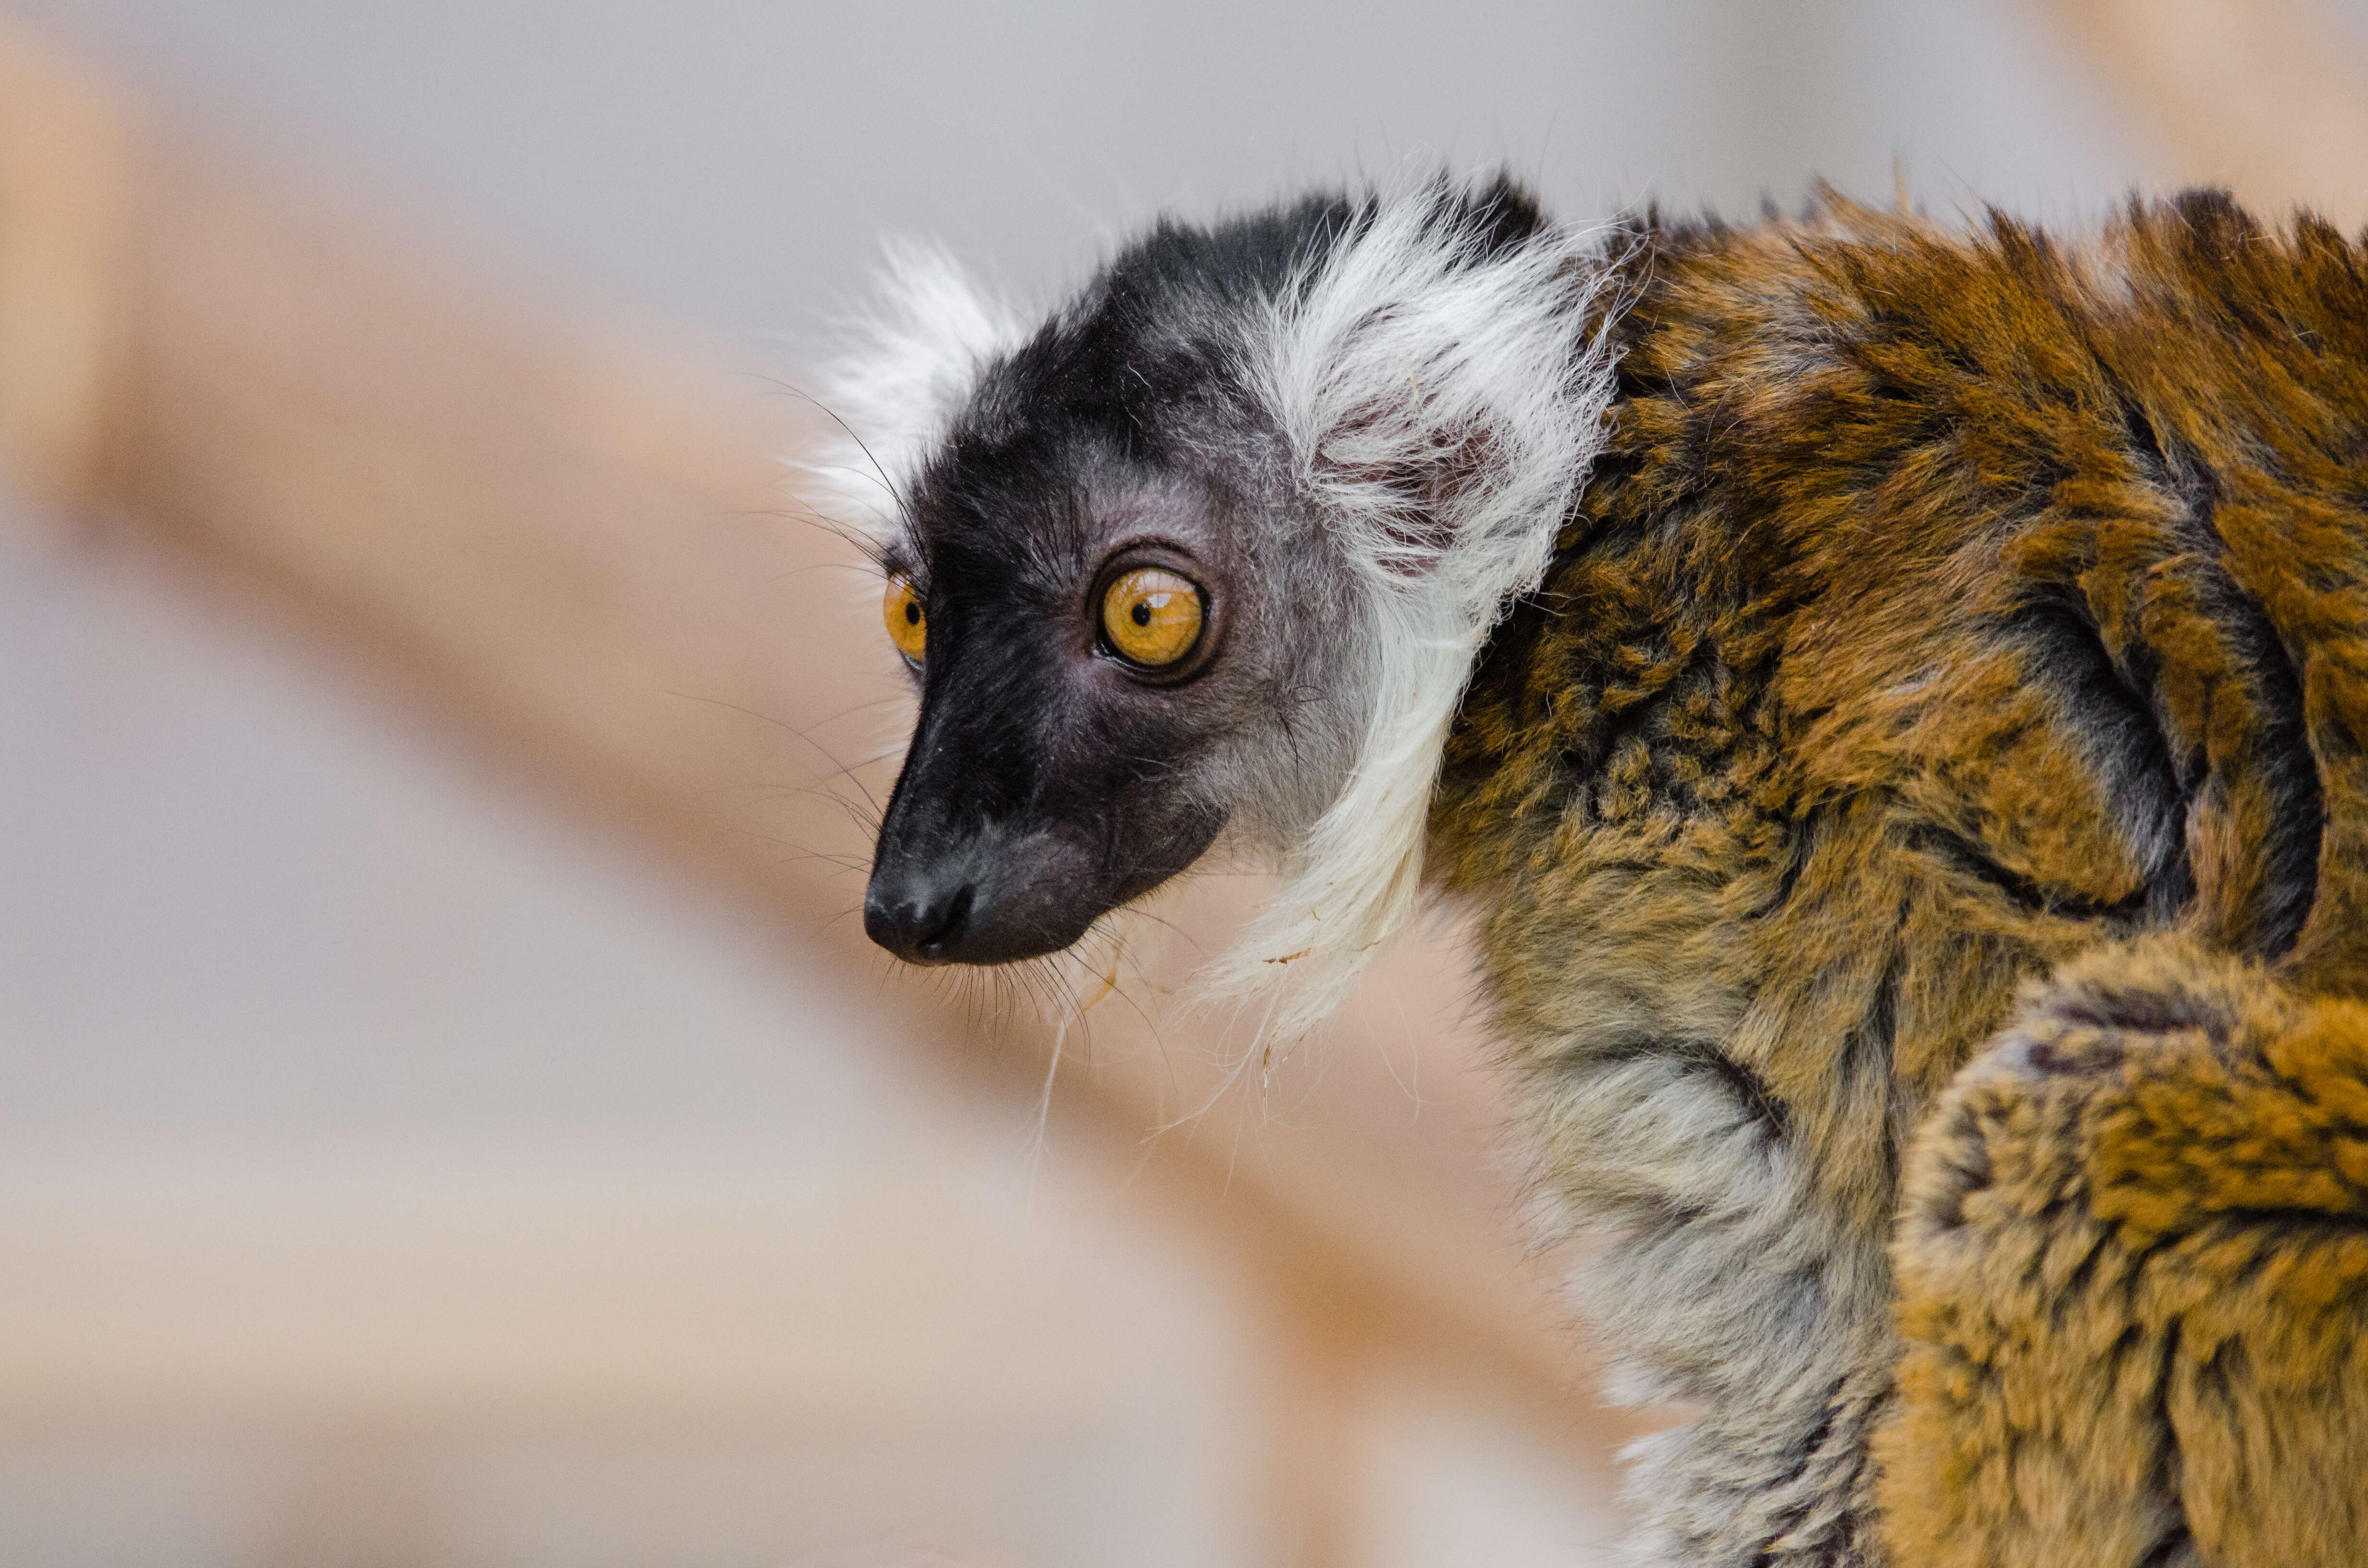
x: 911, y: 614
x: 1141, y: 613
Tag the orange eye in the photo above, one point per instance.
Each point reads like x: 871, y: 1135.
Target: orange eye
x: 1152, y: 617
x: 907, y: 627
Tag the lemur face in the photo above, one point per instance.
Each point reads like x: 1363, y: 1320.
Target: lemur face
x: 1084, y: 648
x: 1090, y: 583
x: 1209, y: 553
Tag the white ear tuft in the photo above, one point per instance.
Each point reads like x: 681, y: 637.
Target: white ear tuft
x: 1442, y: 406
x: 913, y: 360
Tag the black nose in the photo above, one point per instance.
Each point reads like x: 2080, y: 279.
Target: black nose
x: 919, y: 923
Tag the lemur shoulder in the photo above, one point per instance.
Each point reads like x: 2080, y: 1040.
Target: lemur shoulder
x: 1895, y: 698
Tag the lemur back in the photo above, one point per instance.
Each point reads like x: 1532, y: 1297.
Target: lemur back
x: 1940, y: 609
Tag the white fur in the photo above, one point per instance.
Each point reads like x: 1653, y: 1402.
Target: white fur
x: 1403, y: 357
x: 910, y: 363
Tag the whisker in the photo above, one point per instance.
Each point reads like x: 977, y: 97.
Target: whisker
x: 845, y: 770
x: 880, y: 475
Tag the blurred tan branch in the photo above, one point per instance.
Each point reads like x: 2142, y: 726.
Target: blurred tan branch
x: 571, y: 539
x: 66, y: 172
x: 2267, y: 96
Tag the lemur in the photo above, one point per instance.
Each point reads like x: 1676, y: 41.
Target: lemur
x: 1796, y: 641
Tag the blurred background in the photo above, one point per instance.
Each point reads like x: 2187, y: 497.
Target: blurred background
x: 447, y: 1113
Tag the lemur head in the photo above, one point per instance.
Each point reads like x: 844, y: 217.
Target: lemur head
x: 1208, y: 551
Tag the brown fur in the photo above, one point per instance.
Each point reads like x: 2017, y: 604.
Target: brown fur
x: 2134, y: 1260
x: 1947, y: 612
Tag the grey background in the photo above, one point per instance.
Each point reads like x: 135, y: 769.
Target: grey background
x: 735, y: 161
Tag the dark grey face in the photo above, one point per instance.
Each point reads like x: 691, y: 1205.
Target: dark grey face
x: 1078, y: 745
x: 1066, y: 721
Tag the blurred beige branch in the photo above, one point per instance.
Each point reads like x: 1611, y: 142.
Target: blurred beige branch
x: 2269, y: 97
x: 66, y: 172
x: 564, y: 531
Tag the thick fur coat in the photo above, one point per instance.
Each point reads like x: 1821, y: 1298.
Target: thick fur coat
x: 1946, y: 614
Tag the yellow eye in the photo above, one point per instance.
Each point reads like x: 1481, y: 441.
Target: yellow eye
x: 1152, y: 617
x: 907, y: 627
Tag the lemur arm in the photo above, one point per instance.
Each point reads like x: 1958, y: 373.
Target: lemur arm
x: 2133, y: 1263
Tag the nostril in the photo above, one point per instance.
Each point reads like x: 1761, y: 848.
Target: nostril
x: 932, y: 929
